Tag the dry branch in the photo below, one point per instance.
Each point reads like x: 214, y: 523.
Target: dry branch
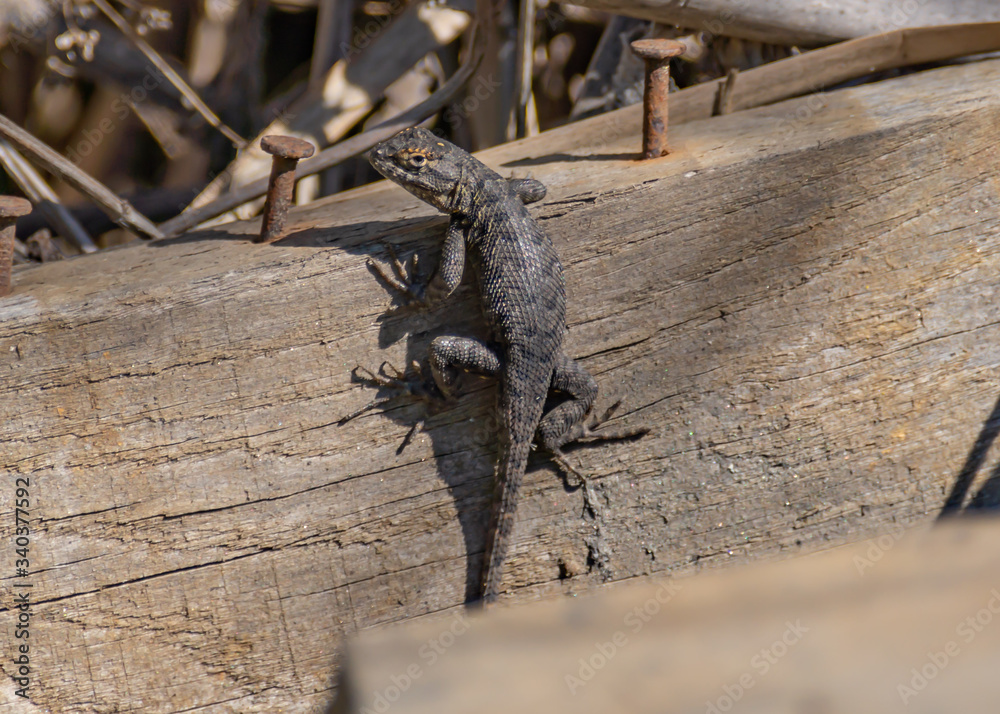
x: 44, y: 198
x: 118, y: 209
x: 349, y: 91
x: 814, y: 71
x: 338, y: 153
x: 172, y: 76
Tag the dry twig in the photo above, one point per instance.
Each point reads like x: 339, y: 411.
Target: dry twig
x: 525, y: 123
x: 349, y: 148
x: 175, y: 79
x: 120, y: 210
x: 44, y: 198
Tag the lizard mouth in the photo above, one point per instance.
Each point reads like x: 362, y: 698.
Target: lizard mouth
x: 379, y: 163
x: 377, y: 153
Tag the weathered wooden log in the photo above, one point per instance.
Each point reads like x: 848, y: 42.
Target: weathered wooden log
x: 806, y: 24
x: 800, y: 300
x: 897, y: 624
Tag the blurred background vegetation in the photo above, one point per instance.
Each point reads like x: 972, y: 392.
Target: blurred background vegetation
x: 94, y: 80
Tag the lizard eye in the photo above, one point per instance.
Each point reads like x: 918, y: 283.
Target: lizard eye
x: 415, y: 161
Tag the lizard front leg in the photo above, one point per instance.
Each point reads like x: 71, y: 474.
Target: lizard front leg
x: 442, y: 283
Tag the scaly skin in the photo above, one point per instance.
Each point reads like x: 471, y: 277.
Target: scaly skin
x: 523, y: 296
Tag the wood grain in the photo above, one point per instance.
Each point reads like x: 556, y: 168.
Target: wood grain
x: 800, y: 300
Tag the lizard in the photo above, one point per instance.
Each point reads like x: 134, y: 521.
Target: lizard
x: 523, y: 295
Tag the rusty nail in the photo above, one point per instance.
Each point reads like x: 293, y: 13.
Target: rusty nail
x: 656, y: 55
x: 724, y: 94
x: 10, y: 208
x: 287, y: 151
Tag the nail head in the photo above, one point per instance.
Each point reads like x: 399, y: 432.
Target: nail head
x: 287, y: 147
x: 658, y: 49
x: 13, y: 207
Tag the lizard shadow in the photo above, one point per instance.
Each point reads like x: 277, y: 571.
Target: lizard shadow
x: 463, y: 435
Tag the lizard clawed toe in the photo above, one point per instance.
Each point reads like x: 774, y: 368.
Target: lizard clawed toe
x: 567, y: 468
x: 595, y: 430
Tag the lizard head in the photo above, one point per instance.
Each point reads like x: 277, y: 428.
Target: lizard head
x: 423, y: 164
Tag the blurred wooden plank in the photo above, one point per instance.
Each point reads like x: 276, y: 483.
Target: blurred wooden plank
x: 888, y: 626
x: 800, y: 301
x: 794, y: 22
x: 814, y: 71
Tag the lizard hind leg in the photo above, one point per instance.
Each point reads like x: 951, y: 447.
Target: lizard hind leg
x: 449, y: 355
x: 567, y: 422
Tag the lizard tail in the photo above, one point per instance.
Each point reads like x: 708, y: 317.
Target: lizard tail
x: 502, y: 515
x: 519, y: 412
